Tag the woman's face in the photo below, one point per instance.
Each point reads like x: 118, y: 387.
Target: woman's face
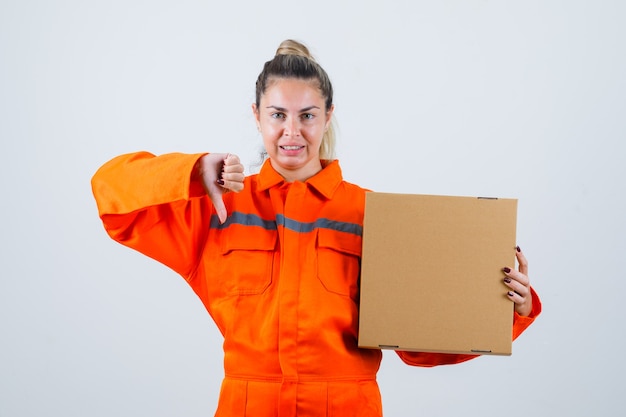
x: 292, y: 119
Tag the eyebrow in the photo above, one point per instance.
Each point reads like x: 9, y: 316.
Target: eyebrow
x: 284, y: 110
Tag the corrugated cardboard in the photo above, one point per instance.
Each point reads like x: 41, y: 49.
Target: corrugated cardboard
x: 431, y: 273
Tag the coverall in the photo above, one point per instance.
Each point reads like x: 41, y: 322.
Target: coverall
x: 279, y: 278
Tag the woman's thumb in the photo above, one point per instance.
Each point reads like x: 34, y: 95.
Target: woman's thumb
x: 211, y: 166
x: 220, y: 209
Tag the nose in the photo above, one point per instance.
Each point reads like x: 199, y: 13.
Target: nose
x: 292, y: 127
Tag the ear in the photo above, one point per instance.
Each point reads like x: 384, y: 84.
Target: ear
x: 329, y: 116
x: 257, y: 116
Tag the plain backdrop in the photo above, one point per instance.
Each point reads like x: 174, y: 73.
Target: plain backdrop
x: 520, y: 99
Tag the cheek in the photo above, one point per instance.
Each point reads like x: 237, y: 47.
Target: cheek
x: 271, y: 132
x: 270, y: 138
x: 316, y: 133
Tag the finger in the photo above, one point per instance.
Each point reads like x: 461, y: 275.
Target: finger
x: 522, y: 261
x: 228, y: 185
x: 516, y: 275
x: 234, y: 177
x: 233, y: 181
x: 516, y: 298
x: 516, y: 286
x: 231, y: 160
x: 232, y: 168
x: 523, y: 305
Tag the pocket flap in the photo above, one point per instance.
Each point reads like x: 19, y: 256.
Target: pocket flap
x: 238, y: 237
x: 340, y: 241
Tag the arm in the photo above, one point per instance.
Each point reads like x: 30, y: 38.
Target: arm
x: 155, y: 205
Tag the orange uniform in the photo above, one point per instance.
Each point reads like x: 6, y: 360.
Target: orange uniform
x: 279, y: 278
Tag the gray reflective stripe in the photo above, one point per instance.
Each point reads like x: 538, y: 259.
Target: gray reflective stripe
x: 296, y: 226
x: 291, y: 224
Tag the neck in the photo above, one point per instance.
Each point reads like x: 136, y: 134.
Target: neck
x: 301, y: 174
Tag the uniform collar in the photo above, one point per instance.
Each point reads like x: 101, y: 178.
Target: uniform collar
x: 325, y: 182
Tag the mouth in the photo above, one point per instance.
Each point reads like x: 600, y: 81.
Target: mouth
x: 291, y: 147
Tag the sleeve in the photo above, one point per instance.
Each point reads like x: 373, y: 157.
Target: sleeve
x: 427, y: 359
x: 154, y: 205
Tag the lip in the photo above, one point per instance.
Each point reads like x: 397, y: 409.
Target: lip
x: 291, y: 150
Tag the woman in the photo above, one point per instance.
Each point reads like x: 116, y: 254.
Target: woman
x: 275, y: 262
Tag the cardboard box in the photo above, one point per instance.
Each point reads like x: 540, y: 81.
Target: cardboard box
x: 431, y: 273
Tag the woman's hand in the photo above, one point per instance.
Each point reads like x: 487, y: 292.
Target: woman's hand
x: 519, y: 285
x: 220, y: 173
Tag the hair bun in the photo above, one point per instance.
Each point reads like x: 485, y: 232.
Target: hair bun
x: 291, y: 47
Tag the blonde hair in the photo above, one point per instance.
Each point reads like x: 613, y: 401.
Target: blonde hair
x: 293, y: 60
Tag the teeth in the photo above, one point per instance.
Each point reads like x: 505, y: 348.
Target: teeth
x: 290, y: 148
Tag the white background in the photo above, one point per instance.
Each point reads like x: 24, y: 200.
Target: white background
x: 522, y: 99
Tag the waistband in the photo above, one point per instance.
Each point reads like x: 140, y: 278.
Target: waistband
x: 300, y: 378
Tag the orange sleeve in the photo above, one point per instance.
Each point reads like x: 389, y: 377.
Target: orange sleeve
x: 153, y: 205
x: 426, y: 359
x: 521, y: 323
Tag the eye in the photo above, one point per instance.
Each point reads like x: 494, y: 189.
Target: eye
x: 278, y: 115
x: 308, y: 116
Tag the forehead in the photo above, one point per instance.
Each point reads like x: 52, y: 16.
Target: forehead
x: 294, y: 90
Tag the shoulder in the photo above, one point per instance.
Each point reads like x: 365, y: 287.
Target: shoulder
x: 348, y: 202
x: 354, y: 188
x: 346, y: 186
x: 351, y: 190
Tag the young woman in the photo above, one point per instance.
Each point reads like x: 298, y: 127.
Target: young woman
x: 276, y: 261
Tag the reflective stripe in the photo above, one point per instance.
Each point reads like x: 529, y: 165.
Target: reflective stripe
x: 301, y: 227
x: 291, y: 224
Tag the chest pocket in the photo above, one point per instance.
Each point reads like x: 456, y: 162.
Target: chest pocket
x: 338, y: 261
x: 247, y: 260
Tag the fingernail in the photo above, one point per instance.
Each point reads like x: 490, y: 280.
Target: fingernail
x: 506, y: 269
x: 518, y: 249
x: 507, y: 280
x: 220, y: 181
x: 510, y: 293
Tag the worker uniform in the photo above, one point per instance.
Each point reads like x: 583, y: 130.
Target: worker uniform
x: 279, y: 278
